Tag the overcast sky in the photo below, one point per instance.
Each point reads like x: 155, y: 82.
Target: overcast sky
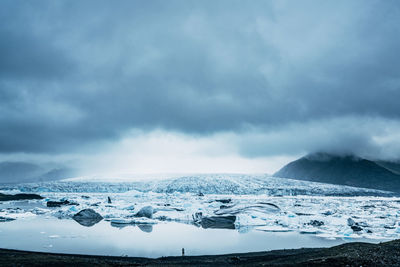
x: 197, y: 86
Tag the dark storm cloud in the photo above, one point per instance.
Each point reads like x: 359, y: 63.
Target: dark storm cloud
x: 73, y: 73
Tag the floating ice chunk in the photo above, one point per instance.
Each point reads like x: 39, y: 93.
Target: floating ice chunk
x: 316, y: 223
x: 39, y: 211
x: 73, y: 208
x: 284, y: 222
x: 310, y: 232
x: 329, y: 236
x: 17, y: 214
x: 145, y: 212
x: 247, y: 220
x: 273, y: 228
x: 348, y: 232
x: 350, y: 222
x: 131, y: 207
x: 243, y: 208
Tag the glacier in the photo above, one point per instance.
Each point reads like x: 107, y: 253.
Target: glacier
x: 259, y: 202
x: 238, y: 184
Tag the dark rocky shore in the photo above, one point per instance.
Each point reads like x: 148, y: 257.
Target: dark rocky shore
x: 350, y: 254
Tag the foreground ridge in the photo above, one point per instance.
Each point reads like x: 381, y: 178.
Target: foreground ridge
x: 350, y: 254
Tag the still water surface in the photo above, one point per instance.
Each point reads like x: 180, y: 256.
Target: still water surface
x: 165, y: 239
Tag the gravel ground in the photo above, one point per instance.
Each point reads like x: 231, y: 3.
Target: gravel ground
x: 350, y: 254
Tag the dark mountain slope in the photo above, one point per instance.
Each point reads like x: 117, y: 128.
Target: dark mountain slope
x: 390, y: 165
x: 23, y: 172
x: 11, y: 172
x: 343, y: 170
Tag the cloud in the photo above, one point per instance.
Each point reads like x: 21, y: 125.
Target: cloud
x: 373, y: 138
x: 170, y: 152
x: 280, y: 78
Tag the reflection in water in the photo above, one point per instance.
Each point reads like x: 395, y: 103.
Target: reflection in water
x: 87, y: 217
x: 48, y: 234
x: 218, y: 222
x: 215, y: 222
x: 88, y: 222
x: 147, y: 228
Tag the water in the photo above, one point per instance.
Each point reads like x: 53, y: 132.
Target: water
x: 50, y: 234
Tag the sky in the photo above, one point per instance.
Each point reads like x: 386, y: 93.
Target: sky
x: 197, y: 86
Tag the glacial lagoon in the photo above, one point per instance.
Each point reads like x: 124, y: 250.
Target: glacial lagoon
x: 269, y: 214
x: 163, y: 239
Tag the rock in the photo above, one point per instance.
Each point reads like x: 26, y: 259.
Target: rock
x: 5, y: 197
x: 356, y: 228
x: 87, y: 217
x: 145, y: 212
x: 316, y: 223
x: 218, y: 222
x: 369, y: 231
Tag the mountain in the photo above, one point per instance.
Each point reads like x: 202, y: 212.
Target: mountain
x: 23, y: 172
x: 18, y: 171
x: 344, y: 170
x: 392, y: 166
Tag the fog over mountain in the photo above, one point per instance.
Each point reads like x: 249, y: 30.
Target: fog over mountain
x: 12, y: 172
x: 197, y: 86
x: 344, y: 170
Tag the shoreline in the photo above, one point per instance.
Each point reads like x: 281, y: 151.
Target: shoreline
x: 351, y: 254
